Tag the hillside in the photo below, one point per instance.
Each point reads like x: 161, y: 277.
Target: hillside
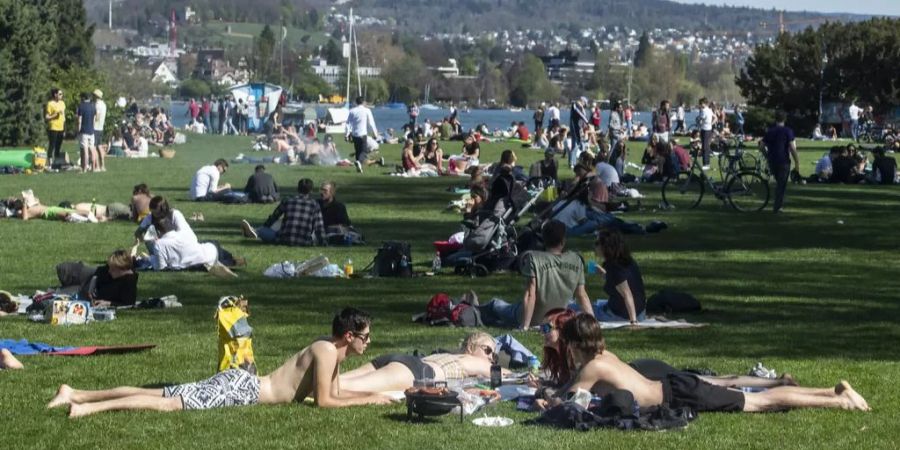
x: 476, y: 15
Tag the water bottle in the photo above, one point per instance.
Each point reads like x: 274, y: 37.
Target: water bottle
x: 436, y: 263
x: 496, y: 376
x: 592, y: 267
x: 534, y: 365
x: 348, y: 267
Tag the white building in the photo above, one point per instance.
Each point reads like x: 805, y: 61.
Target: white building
x: 337, y: 75
x: 163, y: 74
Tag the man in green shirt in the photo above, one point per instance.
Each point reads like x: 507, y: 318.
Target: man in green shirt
x: 553, y: 277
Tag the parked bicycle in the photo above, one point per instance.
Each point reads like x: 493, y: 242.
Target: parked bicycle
x: 740, y: 183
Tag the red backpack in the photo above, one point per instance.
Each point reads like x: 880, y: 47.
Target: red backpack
x: 439, y: 307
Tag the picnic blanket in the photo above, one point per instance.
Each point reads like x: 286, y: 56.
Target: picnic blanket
x: 653, y: 322
x: 24, y: 348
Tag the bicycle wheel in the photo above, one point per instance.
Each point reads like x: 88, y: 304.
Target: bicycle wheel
x: 747, y: 191
x: 683, y: 191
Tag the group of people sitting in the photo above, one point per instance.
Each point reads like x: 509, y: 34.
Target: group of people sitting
x: 847, y: 164
x: 426, y: 158
x: 575, y: 359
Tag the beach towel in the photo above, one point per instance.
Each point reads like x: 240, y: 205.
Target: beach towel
x: 23, y: 347
x: 652, y: 322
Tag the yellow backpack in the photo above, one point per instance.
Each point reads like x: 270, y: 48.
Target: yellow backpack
x: 235, y: 335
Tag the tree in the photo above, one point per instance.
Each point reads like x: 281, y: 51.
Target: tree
x: 333, y: 54
x: 405, y: 77
x: 644, y: 53
x: 263, y: 60
x: 73, y: 46
x: 528, y: 82
x: 307, y: 85
x: 23, y: 72
x: 194, y: 88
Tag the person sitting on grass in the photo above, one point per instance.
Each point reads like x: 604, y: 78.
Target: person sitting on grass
x: 599, y: 371
x: 884, y: 168
x: 433, y: 156
x: 624, y: 283
x: 205, y: 185
x: 261, y: 187
x: 302, y: 222
x: 112, y: 284
x: 313, y: 372
x: 140, y: 202
x: 558, y: 376
x: 334, y: 213
x: 398, y: 372
x: 552, y: 278
x: 8, y: 361
x: 180, y: 250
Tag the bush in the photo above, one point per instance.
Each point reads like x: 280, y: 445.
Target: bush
x: 194, y: 88
x: 757, y: 120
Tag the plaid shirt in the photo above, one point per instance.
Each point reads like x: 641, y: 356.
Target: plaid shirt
x: 302, y: 223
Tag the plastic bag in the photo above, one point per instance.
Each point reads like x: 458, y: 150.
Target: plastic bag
x: 329, y: 271
x: 284, y: 269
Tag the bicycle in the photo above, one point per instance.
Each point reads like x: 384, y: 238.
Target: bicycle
x: 743, y: 188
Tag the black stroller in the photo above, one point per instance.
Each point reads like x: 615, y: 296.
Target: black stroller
x: 491, y: 239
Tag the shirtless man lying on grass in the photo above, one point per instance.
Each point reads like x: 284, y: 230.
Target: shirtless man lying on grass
x: 600, y: 372
x: 311, y: 372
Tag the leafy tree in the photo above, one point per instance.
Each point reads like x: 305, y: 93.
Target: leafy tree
x: 333, y: 54
x: 307, y: 85
x: 195, y: 88
x: 644, y: 53
x: 529, y: 82
x: 264, y: 66
x: 73, y: 45
x: 405, y: 77
x: 23, y: 72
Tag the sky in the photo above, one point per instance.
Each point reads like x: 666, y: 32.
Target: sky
x: 874, y: 7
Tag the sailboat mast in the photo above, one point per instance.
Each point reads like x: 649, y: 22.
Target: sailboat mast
x: 358, y: 76
x: 349, y: 59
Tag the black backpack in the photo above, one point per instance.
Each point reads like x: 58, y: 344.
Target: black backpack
x: 392, y: 260
x: 668, y: 301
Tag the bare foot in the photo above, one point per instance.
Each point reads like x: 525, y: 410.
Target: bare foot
x: 787, y: 379
x: 8, y: 361
x: 854, y: 400
x: 63, y: 397
x: 76, y: 411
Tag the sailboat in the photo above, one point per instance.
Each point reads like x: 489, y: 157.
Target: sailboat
x: 336, y: 118
x: 425, y: 104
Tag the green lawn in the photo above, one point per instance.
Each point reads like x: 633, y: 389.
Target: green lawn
x: 798, y: 291
x: 243, y: 34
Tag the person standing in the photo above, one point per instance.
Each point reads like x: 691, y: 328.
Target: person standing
x: 206, y: 109
x: 854, y: 111
x: 413, y: 112
x: 577, y: 120
x: 628, y: 117
x: 781, y: 149
x: 220, y: 108
x: 86, y: 113
x: 739, y: 120
x: 615, y: 128
x: 360, y: 123
x: 553, y: 110
x: 661, y: 122
x: 99, y: 123
x: 55, y: 115
x: 679, y: 119
x: 705, y: 121
x: 538, y: 118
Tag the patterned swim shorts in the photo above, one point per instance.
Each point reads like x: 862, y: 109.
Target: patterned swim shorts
x: 230, y: 388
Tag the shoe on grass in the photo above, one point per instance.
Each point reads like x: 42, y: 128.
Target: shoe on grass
x: 248, y: 230
x: 381, y: 161
x: 358, y: 166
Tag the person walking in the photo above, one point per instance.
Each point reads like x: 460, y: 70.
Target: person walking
x: 55, y: 115
x: 539, y: 118
x: 781, y: 149
x: 705, y: 121
x: 360, y: 123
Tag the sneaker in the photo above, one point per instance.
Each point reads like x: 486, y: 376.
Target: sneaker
x: 358, y: 166
x: 220, y: 271
x: 762, y: 372
x: 706, y: 167
x: 239, y: 157
x: 248, y: 230
x: 381, y: 161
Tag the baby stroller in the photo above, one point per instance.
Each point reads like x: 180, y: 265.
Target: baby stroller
x: 491, y: 238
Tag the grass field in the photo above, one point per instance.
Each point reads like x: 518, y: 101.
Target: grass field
x: 243, y: 34
x: 798, y: 291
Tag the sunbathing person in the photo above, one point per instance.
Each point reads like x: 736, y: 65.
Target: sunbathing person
x: 8, y: 361
x: 397, y: 372
x: 558, y: 374
x: 32, y: 208
x: 599, y: 371
x: 311, y: 372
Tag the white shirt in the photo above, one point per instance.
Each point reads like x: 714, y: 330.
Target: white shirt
x: 100, y: 118
x: 205, y: 181
x: 607, y: 173
x: 176, y: 250
x: 554, y: 112
x: 680, y: 113
x: 178, y: 220
x: 706, y: 118
x: 360, y: 122
x: 854, y: 112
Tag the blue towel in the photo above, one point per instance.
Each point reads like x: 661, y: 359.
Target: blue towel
x: 517, y: 352
x: 23, y: 347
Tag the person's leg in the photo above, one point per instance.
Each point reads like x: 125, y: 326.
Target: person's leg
x: 266, y: 234
x: 781, y: 172
x: 500, y: 313
x: 84, y: 152
x: 392, y: 377
x: 134, y: 402
x: 8, y: 361
x: 704, y: 139
x: 66, y: 394
x: 364, y: 369
x: 854, y: 129
x: 738, y: 381
x: 842, y: 396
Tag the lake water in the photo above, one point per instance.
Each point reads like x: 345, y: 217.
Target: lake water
x: 494, y: 118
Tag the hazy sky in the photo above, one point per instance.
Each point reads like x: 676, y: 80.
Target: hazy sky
x: 876, y: 7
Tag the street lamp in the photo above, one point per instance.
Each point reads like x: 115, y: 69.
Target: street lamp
x: 822, y: 82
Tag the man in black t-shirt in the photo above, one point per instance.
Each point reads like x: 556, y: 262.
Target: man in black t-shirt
x: 334, y: 213
x: 884, y: 168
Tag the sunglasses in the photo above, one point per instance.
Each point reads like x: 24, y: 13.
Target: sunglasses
x: 487, y: 349
x: 362, y: 336
x: 546, y: 328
